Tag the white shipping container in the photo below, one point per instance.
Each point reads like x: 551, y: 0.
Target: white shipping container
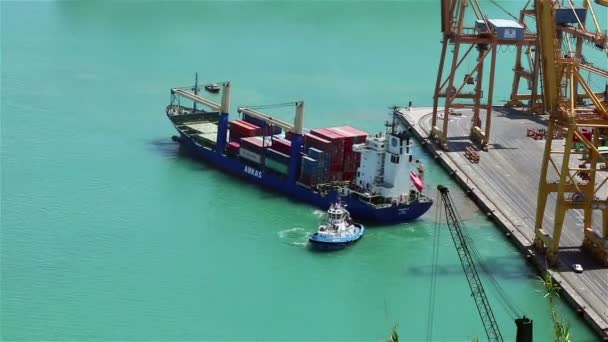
x: 249, y: 155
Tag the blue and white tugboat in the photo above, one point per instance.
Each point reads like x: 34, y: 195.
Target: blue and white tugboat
x: 338, y: 231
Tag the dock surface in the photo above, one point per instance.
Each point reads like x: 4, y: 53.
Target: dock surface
x: 505, y: 183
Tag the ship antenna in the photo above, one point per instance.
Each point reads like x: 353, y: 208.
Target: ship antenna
x: 195, y: 90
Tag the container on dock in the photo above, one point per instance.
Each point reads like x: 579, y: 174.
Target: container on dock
x: 564, y: 14
x: 585, y: 133
x: 232, y: 149
x: 276, y: 166
x: 250, y: 155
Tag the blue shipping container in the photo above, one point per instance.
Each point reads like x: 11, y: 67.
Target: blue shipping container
x: 566, y: 15
x: 318, y: 154
x: 310, y: 166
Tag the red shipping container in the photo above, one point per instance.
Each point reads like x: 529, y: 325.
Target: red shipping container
x: 348, y: 176
x: 337, y: 143
x: 254, y: 144
x: 317, y: 142
x: 327, y: 134
x: 232, y: 148
x: 586, y: 133
x: 243, y: 129
x: 289, y: 135
x: 282, y: 145
x: 347, y: 137
x: 326, y: 146
x: 358, y: 136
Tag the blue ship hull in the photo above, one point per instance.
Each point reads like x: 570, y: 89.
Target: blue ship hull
x: 321, y: 243
x: 359, y: 210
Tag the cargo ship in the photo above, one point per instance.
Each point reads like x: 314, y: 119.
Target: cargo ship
x: 371, y: 173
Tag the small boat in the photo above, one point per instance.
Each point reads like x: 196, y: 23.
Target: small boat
x: 416, y: 180
x: 338, y: 231
x: 212, y: 88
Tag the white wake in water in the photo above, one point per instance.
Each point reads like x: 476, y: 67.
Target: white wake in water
x: 294, y: 236
x: 319, y: 213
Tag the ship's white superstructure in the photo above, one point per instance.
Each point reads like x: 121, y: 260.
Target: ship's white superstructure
x: 384, y: 169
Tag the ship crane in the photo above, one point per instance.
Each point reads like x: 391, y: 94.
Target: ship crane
x: 191, y: 93
x: 297, y: 126
x: 524, y: 324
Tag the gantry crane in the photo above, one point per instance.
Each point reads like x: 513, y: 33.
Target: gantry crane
x: 486, y: 38
x: 527, y: 64
x: 524, y: 325
x: 576, y: 185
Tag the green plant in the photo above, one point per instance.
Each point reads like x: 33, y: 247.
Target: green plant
x: 394, y: 335
x: 561, y: 328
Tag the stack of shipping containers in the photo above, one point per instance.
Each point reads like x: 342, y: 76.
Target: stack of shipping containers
x: 351, y: 159
x: 239, y: 129
x: 336, y: 151
x: 328, y: 152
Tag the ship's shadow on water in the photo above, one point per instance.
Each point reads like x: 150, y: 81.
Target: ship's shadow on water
x: 500, y: 267
x: 172, y: 150
x: 167, y: 148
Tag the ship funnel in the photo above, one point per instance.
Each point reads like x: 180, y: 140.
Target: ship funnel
x: 225, y: 107
x: 298, y: 121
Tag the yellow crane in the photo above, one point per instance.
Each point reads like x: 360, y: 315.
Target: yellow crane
x: 527, y: 64
x: 486, y: 36
x: 575, y: 184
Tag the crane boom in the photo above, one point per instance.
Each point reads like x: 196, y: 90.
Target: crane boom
x: 468, y: 266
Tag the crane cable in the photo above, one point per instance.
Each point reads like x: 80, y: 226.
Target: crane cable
x: 276, y: 105
x: 434, y: 271
x: 504, y: 10
x: 508, y: 305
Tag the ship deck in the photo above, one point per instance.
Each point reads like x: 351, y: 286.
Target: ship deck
x: 505, y: 184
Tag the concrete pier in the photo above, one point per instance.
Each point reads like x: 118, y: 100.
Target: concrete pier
x: 504, y: 184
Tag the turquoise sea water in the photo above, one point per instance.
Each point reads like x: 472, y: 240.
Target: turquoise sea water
x: 110, y: 232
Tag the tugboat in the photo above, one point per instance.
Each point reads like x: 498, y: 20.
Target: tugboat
x: 338, y: 231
